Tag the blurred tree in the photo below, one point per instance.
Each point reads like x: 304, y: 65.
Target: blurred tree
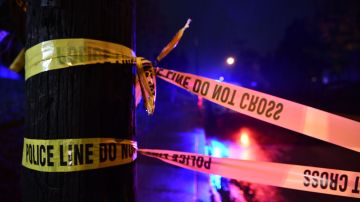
x: 322, y: 48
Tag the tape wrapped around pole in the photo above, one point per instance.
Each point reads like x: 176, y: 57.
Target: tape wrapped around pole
x: 70, y: 155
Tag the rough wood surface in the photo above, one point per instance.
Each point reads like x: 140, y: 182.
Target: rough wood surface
x: 81, y: 102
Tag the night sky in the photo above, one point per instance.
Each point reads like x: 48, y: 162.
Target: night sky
x: 221, y: 27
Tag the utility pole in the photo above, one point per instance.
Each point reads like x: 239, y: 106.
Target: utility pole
x: 88, y: 101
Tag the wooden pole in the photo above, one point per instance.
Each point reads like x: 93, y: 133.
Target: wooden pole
x: 81, y: 102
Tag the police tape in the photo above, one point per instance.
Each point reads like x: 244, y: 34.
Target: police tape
x: 83, y: 154
x: 293, y: 116
x: 173, y: 43
x: 69, y: 155
x: 63, y: 53
x: 304, y: 178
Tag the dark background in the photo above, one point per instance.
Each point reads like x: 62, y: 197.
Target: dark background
x: 306, y: 51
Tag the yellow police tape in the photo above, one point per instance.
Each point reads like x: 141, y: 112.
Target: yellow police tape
x: 63, y: 53
x: 173, y: 43
x: 69, y: 155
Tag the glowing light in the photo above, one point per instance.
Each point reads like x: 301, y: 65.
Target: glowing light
x: 253, y: 84
x: 217, y: 152
x: 200, y: 102
x: 221, y: 78
x: 244, y: 139
x: 325, y: 80
x: 8, y: 74
x: 3, y: 35
x: 218, y: 149
x: 230, y: 60
x: 215, y: 180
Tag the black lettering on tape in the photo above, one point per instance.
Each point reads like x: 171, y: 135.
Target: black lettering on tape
x: 42, y: 155
x: 112, y: 151
x: 225, y: 95
x: 64, y: 154
x: 193, y: 158
x: 199, y: 161
x: 279, y: 108
x: 159, y: 72
x: 244, y: 97
x: 78, y: 154
x: 207, y: 164
x: 62, y: 161
x: 174, y: 157
x: 27, y: 152
x: 70, y: 155
x: 253, y: 102
x: 231, y: 102
x: 179, y: 79
x: 108, y: 151
x: 173, y: 76
x: 32, y: 155
x: 49, y: 155
x: 182, y: 157
x: 88, y: 153
x: 324, y: 180
x: 205, y: 88
x: 356, y: 186
x: 186, y: 82
x: 315, y: 175
x: 262, y: 105
x: 307, y: 173
x: 333, y: 181
x: 127, y: 151
x: 102, y: 152
x: 195, y: 161
x: 271, y: 107
x: 197, y: 85
x: 201, y: 87
x: 217, y: 91
x: 187, y: 159
x: 343, y: 178
x: 159, y: 155
x: 37, y: 155
x: 182, y: 80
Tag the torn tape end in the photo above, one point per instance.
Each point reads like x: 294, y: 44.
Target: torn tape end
x: 187, y: 23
